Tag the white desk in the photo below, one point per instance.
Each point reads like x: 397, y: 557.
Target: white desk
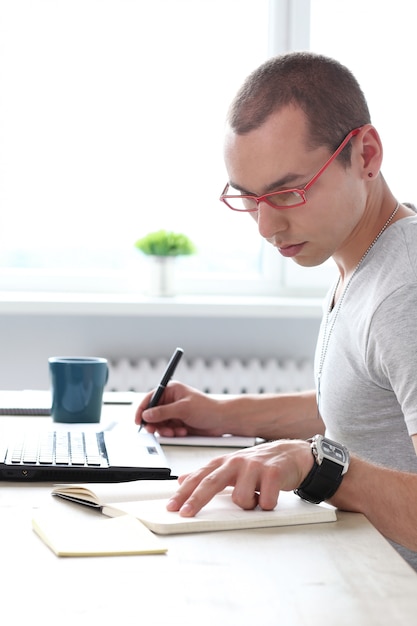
x: 341, y: 573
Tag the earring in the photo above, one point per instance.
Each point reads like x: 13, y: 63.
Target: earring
x: 370, y: 174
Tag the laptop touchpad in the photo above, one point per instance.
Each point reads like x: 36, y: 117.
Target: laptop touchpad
x: 134, y: 450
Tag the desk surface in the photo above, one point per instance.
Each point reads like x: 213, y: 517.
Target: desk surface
x: 294, y: 576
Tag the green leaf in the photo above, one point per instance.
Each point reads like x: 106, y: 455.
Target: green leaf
x: 165, y: 243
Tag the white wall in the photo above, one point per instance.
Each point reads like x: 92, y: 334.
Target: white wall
x: 27, y: 340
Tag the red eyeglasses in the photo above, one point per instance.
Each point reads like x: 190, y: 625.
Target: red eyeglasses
x: 285, y: 199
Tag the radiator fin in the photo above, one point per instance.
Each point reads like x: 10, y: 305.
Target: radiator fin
x: 215, y: 375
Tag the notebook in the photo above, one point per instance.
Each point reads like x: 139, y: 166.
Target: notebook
x: 222, y: 441
x: 116, y: 455
x: 147, y: 503
x: 222, y: 514
x: 68, y: 534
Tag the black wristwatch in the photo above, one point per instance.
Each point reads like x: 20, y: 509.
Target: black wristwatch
x: 331, y: 462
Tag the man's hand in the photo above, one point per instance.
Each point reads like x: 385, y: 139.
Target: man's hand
x: 256, y: 474
x: 182, y: 411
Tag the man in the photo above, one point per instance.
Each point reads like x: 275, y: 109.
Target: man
x: 304, y: 159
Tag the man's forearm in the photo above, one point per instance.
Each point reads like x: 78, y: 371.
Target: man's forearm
x: 273, y: 416
x: 386, y: 497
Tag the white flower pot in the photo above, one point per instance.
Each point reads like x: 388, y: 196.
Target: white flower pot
x: 162, y: 276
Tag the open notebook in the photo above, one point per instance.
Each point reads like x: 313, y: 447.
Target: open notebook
x: 84, y: 456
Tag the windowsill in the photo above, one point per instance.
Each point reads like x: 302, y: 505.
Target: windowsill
x: 42, y: 303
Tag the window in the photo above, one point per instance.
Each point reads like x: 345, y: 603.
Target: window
x: 111, y: 125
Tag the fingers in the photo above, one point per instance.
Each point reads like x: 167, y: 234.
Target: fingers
x: 160, y: 419
x: 256, y: 485
x: 174, y: 401
x: 251, y: 485
x: 256, y: 475
x: 198, y: 488
x: 182, y: 411
x: 171, y: 428
x: 141, y: 408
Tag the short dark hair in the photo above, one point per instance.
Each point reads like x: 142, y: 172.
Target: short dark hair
x: 323, y: 88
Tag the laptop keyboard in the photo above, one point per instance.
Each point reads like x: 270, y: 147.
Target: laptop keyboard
x: 59, y: 448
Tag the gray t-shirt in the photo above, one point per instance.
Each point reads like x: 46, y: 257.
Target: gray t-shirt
x: 368, y: 383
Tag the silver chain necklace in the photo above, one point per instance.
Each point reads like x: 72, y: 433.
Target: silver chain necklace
x: 327, y: 333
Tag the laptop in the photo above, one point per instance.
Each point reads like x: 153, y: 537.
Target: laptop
x: 57, y: 455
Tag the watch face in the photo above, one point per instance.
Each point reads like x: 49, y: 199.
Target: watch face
x: 333, y: 451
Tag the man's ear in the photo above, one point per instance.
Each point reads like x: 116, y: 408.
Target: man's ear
x: 370, y: 152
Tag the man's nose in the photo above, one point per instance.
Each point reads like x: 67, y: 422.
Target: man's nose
x: 270, y: 220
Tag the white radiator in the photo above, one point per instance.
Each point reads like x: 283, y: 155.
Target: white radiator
x: 214, y: 375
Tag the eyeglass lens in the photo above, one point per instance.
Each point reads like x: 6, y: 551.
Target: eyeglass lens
x: 278, y: 199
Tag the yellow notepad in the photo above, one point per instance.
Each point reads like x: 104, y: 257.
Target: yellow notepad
x: 79, y: 534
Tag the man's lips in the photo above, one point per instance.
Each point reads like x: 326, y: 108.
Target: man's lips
x: 291, y: 250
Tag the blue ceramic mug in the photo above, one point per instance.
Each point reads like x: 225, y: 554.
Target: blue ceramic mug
x: 77, y: 388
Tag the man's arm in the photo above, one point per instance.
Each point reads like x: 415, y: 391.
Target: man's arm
x: 186, y: 411
x: 387, y: 497
x: 270, y: 416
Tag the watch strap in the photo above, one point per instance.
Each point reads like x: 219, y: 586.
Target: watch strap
x: 321, y: 482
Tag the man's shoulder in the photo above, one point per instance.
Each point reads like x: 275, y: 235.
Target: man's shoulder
x: 397, y: 252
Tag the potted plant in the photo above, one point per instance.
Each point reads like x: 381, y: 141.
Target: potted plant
x: 163, y: 246
x: 165, y: 243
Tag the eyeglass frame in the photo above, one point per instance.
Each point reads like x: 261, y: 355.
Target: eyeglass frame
x: 301, y: 192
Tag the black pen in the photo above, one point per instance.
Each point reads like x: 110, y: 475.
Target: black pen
x: 169, y: 372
